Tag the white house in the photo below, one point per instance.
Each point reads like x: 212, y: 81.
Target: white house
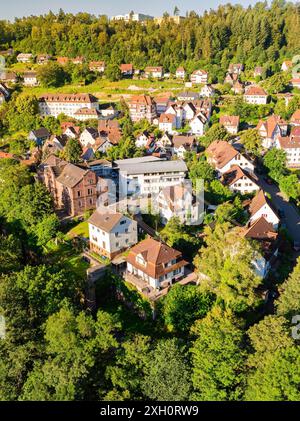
x: 30, y: 79
x: 154, y: 71
x: 180, y: 73
x: 111, y: 233
x: 71, y: 132
x: 261, y: 206
x: 199, y: 76
x: 197, y: 124
x: 97, y: 66
x: 177, y: 201
x: 148, y: 174
x: 255, y: 95
x: 24, y: 57
x: 291, y: 146
x: 231, y: 123
x: 223, y: 156
x: 102, y: 144
x: 240, y: 180
x: 183, y: 144
x: 177, y: 110
x: 207, y: 91
x: 155, y: 263
x: 88, y: 137
x: 167, y: 123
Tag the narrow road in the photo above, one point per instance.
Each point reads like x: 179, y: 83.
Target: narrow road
x: 292, y: 216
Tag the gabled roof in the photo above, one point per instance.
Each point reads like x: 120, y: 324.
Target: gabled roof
x: 126, y: 67
x: 105, y: 221
x: 156, y: 255
x: 235, y: 173
x: 142, y: 99
x: 167, y: 118
x: 71, y: 175
x: 230, y: 120
x: 74, y: 98
x: 221, y: 152
x: 41, y: 132
x: 258, y: 201
x: 255, y: 91
x: 289, y: 142
x: 261, y: 229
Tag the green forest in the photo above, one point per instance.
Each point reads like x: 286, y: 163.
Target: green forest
x: 258, y: 35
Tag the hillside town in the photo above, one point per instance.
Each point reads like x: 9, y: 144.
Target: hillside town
x: 146, y: 182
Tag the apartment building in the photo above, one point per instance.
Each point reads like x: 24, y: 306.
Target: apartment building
x: 142, y: 107
x: 148, y: 175
x: 69, y: 104
x: 111, y: 233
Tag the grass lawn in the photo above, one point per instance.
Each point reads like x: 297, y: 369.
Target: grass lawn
x: 68, y: 256
x: 105, y: 90
x: 80, y: 230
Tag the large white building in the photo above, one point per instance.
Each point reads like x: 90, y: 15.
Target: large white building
x: 134, y: 17
x: 69, y: 104
x: 111, y: 233
x: 148, y: 175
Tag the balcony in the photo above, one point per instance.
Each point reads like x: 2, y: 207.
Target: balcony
x: 154, y: 294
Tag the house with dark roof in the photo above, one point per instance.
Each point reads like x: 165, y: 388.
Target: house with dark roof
x: 39, y: 136
x: 111, y: 233
x: 240, y: 180
x: 74, y: 189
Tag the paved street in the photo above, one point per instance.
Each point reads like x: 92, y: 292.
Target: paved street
x: 292, y: 216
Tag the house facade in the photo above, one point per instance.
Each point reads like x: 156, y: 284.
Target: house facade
x: 223, y: 156
x: 199, y: 77
x: 291, y: 146
x: 240, y: 180
x: 230, y: 123
x: 111, y: 233
x: 156, y: 263
x: 154, y: 71
x: 180, y: 73
x: 148, y: 175
x: 142, y: 107
x: 73, y: 189
x: 260, y: 206
x: 69, y: 104
x: 256, y: 95
x: 30, y: 79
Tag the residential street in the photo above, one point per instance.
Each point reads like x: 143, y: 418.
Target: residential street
x: 292, y: 216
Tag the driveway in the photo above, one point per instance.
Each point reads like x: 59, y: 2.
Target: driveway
x: 292, y: 216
